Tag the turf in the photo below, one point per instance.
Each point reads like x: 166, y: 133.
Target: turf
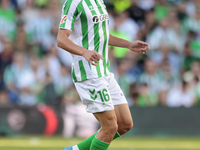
x: 124, y: 143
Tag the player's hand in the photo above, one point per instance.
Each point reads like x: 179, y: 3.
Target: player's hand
x: 92, y: 56
x: 139, y: 46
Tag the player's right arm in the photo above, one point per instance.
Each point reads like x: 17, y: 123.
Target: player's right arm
x: 69, y: 15
x: 65, y: 43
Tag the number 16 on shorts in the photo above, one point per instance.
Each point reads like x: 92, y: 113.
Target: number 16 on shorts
x: 103, y: 94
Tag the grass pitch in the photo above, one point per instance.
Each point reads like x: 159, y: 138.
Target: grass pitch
x: 124, y: 143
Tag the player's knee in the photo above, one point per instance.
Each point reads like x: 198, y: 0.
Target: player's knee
x: 114, y: 128
x: 130, y: 126
x: 125, y: 127
x: 111, y: 128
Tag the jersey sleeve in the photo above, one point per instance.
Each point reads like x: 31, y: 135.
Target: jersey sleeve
x: 69, y: 14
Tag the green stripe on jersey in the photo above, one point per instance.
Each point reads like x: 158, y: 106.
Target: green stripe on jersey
x: 74, y: 19
x: 67, y: 6
x: 84, y: 27
x: 96, y: 37
x: 104, y: 47
x: 73, y: 75
x: 82, y: 69
x: 85, y: 42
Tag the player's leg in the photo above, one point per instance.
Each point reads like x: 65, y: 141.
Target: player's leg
x: 92, y: 89
x: 108, y: 121
x: 105, y: 135
x: 124, y: 118
x: 85, y: 145
x: 122, y: 111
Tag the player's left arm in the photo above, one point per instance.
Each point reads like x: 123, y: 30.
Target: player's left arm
x: 135, y: 46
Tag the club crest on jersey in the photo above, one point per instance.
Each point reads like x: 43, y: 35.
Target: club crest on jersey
x: 64, y: 18
x: 100, y: 18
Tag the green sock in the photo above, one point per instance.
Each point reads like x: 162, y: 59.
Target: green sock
x: 85, y: 145
x: 116, y: 135
x: 98, y: 145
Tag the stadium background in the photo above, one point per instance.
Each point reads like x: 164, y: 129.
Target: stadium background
x: 38, y: 102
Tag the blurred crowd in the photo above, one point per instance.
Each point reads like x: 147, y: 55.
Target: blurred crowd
x: 34, y: 70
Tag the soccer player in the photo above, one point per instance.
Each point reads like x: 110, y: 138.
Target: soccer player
x: 85, y: 34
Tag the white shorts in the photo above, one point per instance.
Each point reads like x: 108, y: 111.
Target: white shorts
x: 100, y: 94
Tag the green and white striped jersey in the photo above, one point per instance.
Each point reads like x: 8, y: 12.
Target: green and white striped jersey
x: 88, y: 21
